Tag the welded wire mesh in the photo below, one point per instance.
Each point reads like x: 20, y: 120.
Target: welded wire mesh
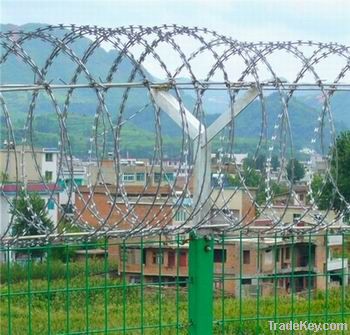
x: 141, y: 286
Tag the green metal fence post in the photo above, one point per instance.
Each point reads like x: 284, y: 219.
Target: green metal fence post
x: 200, y: 293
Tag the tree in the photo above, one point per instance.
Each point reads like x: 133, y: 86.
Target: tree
x: 295, y: 170
x: 257, y: 163
x: 260, y: 162
x: 32, y: 209
x: 321, y: 191
x: 4, y: 177
x: 340, y: 163
x: 251, y: 176
x: 275, y: 163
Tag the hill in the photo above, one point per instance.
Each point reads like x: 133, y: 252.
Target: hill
x: 138, y: 115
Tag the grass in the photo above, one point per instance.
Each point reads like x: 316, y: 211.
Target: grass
x: 89, y: 300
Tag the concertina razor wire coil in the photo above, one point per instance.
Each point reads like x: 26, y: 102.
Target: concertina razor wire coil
x: 176, y: 53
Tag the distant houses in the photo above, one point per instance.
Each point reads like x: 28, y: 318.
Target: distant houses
x: 136, y: 195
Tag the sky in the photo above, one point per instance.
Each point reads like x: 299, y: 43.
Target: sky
x: 247, y: 20
x: 322, y: 20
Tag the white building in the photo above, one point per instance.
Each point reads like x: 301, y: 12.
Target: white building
x: 49, y: 193
x: 32, y: 169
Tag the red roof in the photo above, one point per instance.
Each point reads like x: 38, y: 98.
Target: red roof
x: 132, y: 190
x: 262, y: 223
x: 38, y: 187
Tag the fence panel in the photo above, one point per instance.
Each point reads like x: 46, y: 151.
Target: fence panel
x: 141, y: 285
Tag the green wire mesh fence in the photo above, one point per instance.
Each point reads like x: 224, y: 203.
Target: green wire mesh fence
x: 157, y: 286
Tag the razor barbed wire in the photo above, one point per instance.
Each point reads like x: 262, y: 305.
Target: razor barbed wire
x: 190, y: 64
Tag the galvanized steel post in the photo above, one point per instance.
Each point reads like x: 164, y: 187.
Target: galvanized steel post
x: 200, y: 293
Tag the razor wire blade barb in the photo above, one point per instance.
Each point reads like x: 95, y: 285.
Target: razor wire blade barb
x: 106, y: 84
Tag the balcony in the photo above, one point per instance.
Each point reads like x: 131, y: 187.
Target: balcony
x: 335, y: 240
x: 302, y: 264
x: 337, y: 264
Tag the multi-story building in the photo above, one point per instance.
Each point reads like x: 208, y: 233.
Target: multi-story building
x: 133, y: 172
x: 304, y: 263
x: 28, y: 165
x: 168, y: 258
x: 246, y: 265
x: 242, y: 266
x: 236, y: 265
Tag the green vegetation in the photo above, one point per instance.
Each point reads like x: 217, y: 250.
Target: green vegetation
x: 295, y: 170
x: 38, y: 270
x: 251, y: 176
x: 322, y: 187
x: 321, y: 191
x: 31, y: 208
x: 275, y: 163
x: 340, y: 170
x: 253, y: 173
x: 137, y: 137
x: 89, y: 295
x: 4, y: 177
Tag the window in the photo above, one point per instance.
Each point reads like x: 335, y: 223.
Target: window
x: 156, y: 177
x: 183, y: 258
x: 296, y: 217
x: 246, y: 256
x: 277, y: 254
x: 128, y: 177
x: 287, y: 253
x: 67, y: 208
x: 218, y: 284
x: 140, y: 176
x: 48, y: 175
x: 268, y: 257
x: 168, y: 177
x: 180, y: 215
x: 50, y: 204
x: 282, y: 254
x: 165, y: 177
x: 144, y: 256
x: 124, y: 254
x: 280, y: 282
x: 157, y: 257
x: 134, y: 256
x: 171, y: 259
x: 78, y: 181
x: 219, y: 255
x: 246, y: 281
x: 135, y: 279
x: 48, y: 157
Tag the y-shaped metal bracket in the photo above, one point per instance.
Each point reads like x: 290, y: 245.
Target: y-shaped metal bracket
x: 202, y: 137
